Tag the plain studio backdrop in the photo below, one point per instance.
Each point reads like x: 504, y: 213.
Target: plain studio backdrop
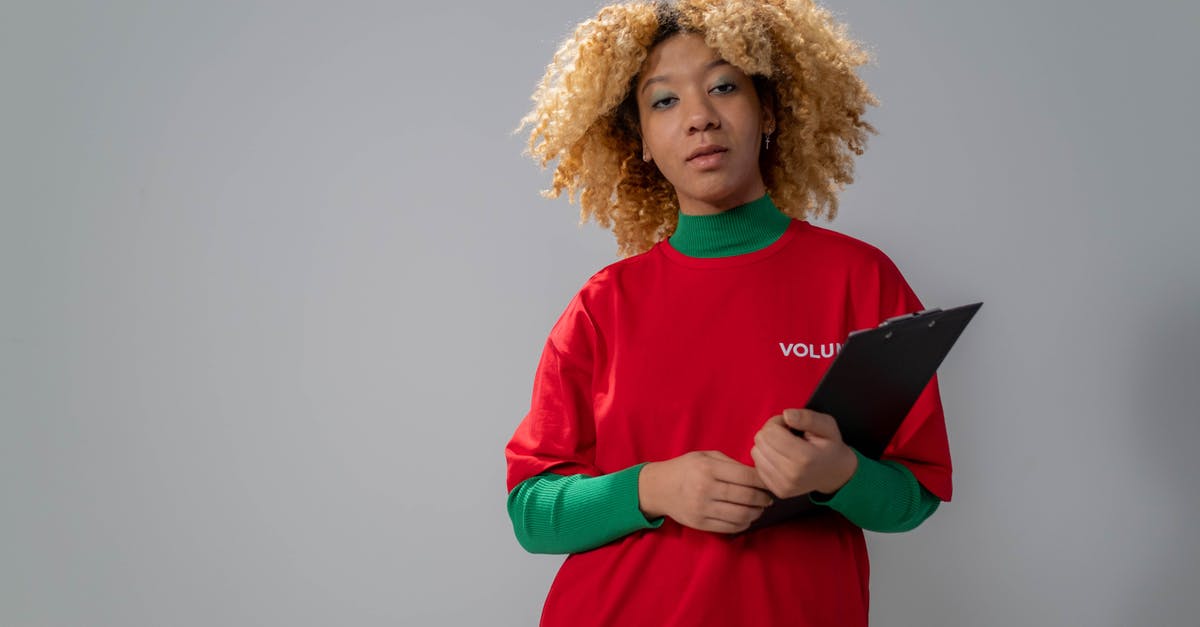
x: 275, y: 279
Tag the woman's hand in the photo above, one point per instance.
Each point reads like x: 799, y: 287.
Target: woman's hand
x: 791, y: 465
x: 705, y: 490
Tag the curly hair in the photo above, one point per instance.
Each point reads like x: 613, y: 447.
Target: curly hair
x: 801, y: 61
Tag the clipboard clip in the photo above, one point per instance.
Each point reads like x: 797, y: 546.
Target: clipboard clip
x: 909, y: 316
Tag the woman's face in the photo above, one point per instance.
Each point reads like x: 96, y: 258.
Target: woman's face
x: 702, y: 125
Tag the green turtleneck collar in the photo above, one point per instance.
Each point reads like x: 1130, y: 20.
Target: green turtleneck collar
x: 742, y: 229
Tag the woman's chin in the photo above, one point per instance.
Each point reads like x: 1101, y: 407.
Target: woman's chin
x: 715, y: 199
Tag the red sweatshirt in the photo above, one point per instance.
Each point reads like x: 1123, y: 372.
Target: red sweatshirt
x: 661, y: 354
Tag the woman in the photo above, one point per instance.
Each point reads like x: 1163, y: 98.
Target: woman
x: 704, y: 133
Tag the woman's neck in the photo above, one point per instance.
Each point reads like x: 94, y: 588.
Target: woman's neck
x: 742, y: 229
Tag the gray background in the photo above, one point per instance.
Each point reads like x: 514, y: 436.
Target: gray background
x: 275, y: 279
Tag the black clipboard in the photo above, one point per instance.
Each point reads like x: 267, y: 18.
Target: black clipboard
x: 874, y: 382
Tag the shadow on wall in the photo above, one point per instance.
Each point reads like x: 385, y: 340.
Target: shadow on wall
x: 1164, y: 434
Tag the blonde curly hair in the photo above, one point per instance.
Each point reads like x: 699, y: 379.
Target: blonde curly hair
x: 801, y: 61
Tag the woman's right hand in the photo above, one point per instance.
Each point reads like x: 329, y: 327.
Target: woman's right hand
x: 705, y: 490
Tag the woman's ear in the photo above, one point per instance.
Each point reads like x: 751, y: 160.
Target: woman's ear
x: 768, y: 116
x: 766, y: 99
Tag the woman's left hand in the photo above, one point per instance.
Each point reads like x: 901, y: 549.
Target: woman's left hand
x: 791, y: 465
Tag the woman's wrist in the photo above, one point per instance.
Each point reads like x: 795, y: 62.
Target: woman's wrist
x: 647, y: 493
x: 848, y: 465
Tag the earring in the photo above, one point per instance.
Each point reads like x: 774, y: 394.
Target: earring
x: 767, y: 137
x: 646, y: 157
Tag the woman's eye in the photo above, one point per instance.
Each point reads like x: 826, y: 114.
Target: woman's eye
x: 724, y: 88
x: 663, y: 102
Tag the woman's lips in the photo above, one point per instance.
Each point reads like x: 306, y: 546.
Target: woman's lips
x: 708, y: 161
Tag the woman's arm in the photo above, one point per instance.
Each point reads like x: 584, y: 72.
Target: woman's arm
x: 704, y: 490
x: 802, y: 452
x: 881, y: 496
x: 554, y: 513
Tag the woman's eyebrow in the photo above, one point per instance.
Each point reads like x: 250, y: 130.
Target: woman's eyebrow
x: 661, y: 78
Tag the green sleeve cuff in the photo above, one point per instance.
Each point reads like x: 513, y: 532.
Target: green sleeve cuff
x: 553, y: 513
x: 881, y: 496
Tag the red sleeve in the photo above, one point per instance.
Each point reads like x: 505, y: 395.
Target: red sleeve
x: 920, y: 443
x: 558, y: 433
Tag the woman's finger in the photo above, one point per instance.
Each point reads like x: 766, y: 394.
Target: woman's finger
x: 730, y: 513
x: 742, y: 495
x: 732, y: 471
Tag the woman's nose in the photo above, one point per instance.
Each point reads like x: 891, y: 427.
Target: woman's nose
x: 701, y: 116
